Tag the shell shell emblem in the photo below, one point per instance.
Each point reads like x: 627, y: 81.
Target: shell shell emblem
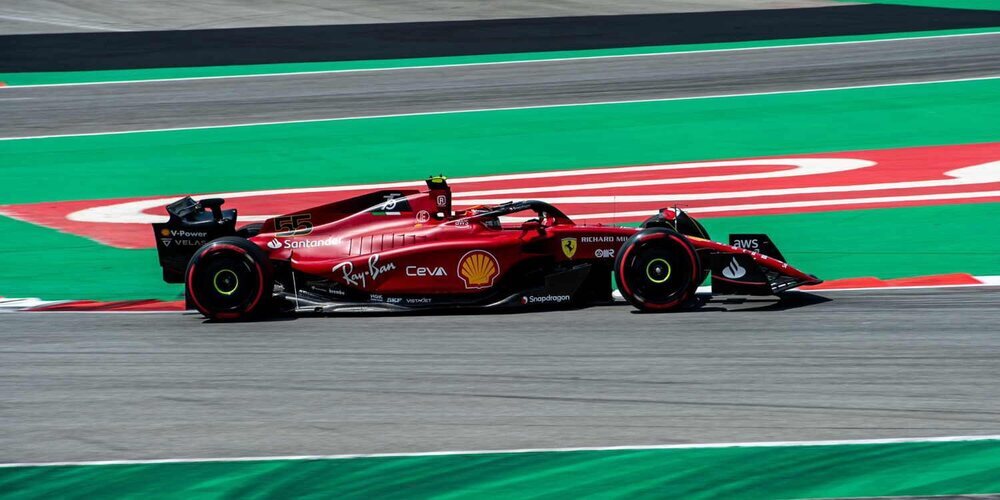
x: 478, y: 269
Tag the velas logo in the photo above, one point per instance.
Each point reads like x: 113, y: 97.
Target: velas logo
x: 803, y: 183
x: 181, y: 242
x: 478, y: 269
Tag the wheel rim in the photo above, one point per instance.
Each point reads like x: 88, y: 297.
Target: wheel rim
x: 225, y: 281
x: 659, y: 273
x: 658, y: 270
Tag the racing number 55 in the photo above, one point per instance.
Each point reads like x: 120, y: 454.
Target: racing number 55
x: 293, y: 225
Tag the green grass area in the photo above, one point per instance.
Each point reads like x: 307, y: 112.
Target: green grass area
x: 853, y: 470
x: 950, y: 4
x: 44, y: 78
x: 490, y: 142
x: 40, y: 262
x: 886, y: 243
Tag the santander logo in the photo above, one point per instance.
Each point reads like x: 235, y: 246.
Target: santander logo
x: 734, y: 270
x: 274, y: 244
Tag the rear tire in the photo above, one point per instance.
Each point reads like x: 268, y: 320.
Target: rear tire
x: 658, y: 270
x: 229, y: 279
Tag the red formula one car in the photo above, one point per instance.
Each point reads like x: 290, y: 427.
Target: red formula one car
x: 405, y: 250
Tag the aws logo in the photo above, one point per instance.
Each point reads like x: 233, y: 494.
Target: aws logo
x: 751, y: 244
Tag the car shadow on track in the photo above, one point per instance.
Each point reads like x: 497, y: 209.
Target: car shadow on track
x: 703, y: 303
x: 783, y: 302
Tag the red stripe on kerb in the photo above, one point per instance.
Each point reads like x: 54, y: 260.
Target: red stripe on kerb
x: 871, y: 282
x: 149, y: 305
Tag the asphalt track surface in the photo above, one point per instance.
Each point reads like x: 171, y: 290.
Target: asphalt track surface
x: 865, y: 364
x: 33, y: 111
x: 64, y: 16
x: 344, y: 42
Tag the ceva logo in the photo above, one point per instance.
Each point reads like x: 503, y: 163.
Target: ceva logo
x: 425, y: 271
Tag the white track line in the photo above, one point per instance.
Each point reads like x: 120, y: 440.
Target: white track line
x: 512, y: 108
x: 498, y: 63
x: 849, y: 442
x: 58, y: 22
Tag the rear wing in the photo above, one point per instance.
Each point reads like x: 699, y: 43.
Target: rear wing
x: 191, y: 225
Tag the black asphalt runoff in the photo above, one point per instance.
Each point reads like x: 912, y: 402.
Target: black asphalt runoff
x: 215, y: 47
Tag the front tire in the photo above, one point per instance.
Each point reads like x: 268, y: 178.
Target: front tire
x: 658, y: 270
x: 229, y: 279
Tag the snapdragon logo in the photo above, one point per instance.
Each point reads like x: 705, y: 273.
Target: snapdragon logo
x: 545, y: 299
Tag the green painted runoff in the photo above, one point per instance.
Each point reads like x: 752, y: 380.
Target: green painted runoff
x: 854, y: 470
x: 847, y: 244
x: 492, y: 142
x: 949, y: 4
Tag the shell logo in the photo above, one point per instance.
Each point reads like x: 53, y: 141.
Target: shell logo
x: 478, y: 269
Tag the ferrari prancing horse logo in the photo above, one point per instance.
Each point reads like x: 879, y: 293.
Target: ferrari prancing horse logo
x: 569, y: 247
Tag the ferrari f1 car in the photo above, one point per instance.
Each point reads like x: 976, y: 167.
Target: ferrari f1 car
x: 406, y: 250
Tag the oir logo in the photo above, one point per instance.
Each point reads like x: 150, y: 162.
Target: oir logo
x: 478, y: 269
